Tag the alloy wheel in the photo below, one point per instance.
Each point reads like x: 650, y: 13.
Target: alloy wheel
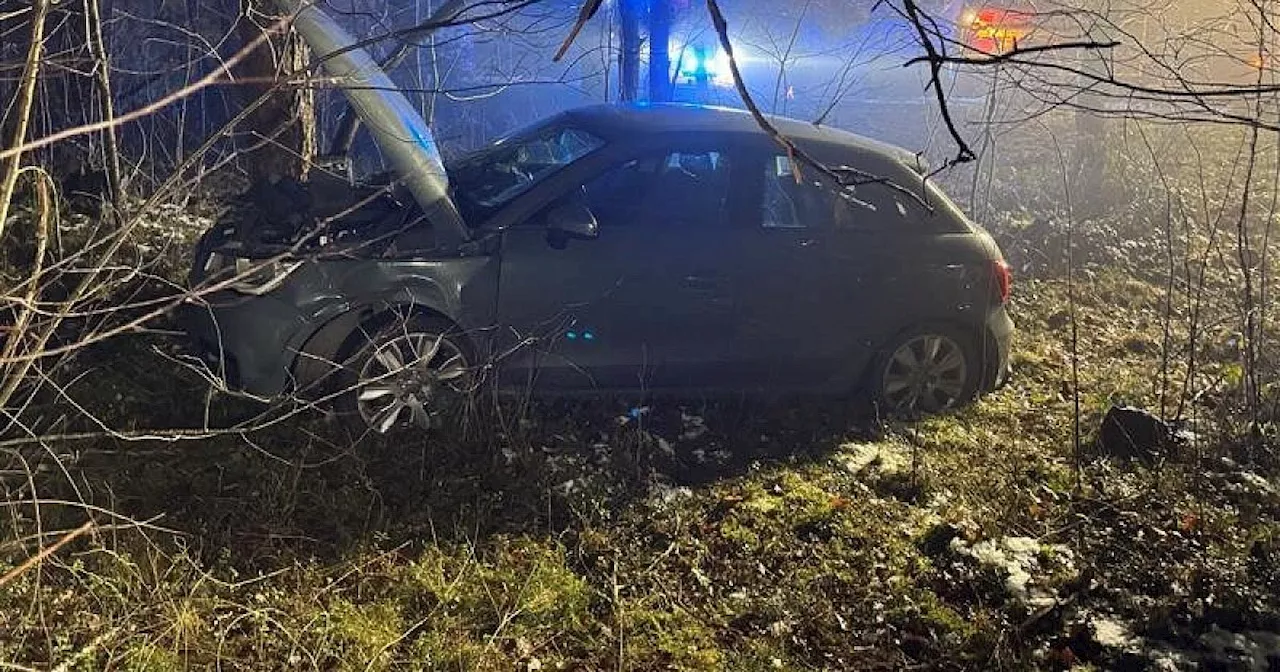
x: 926, y: 374
x: 412, y: 379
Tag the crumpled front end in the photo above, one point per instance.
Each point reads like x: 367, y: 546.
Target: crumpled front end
x: 401, y: 133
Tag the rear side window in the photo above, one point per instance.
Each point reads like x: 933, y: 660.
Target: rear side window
x: 794, y: 201
x: 810, y: 200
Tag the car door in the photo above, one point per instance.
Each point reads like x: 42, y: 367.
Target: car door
x: 647, y: 303
x: 808, y: 281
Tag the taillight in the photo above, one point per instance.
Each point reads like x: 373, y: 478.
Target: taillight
x: 1002, y: 279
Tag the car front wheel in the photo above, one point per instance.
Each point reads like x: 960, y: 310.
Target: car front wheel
x: 926, y: 370
x: 413, y: 373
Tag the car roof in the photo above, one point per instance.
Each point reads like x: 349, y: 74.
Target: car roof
x: 622, y: 120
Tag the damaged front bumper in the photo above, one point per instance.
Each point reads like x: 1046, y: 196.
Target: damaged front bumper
x: 248, y: 343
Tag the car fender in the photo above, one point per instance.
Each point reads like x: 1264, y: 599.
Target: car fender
x: 321, y: 352
x: 464, y: 295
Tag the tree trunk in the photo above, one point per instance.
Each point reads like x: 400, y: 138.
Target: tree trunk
x: 629, y: 77
x: 102, y: 69
x: 280, y: 137
x: 22, y: 108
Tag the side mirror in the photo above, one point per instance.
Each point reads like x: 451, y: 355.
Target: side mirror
x: 571, y: 222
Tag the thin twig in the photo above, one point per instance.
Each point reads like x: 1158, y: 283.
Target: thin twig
x: 48, y: 551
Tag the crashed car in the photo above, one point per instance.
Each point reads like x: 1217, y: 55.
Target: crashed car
x: 647, y: 248
x: 660, y: 248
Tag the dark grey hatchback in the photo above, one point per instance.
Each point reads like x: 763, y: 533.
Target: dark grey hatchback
x: 654, y: 248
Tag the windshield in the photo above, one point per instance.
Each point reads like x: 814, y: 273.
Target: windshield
x: 489, y: 179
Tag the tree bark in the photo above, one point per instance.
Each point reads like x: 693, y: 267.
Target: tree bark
x: 629, y: 77
x: 25, y: 102
x: 280, y: 141
x: 98, y: 47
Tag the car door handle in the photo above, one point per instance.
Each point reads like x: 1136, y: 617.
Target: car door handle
x: 806, y: 242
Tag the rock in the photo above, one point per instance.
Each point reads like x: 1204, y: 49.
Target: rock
x: 1113, y: 633
x: 1132, y: 433
x: 1058, y: 320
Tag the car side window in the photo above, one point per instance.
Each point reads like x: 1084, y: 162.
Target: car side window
x: 668, y: 189
x: 795, y: 202
x: 508, y: 171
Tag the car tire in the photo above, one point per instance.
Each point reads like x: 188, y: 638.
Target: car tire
x: 413, y: 373
x: 925, y: 370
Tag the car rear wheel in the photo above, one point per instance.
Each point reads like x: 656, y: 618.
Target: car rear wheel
x: 415, y: 373
x: 926, y: 370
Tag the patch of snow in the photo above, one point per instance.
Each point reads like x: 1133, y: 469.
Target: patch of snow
x: 1017, y: 557
x: 1041, y: 598
x: 888, y: 458
x: 1113, y: 633
x: 666, y: 494
x: 1218, y: 648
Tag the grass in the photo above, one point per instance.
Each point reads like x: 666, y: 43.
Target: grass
x: 421, y: 556
x: 704, y: 536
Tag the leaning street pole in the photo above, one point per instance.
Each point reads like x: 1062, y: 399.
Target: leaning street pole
x: 401, y: 133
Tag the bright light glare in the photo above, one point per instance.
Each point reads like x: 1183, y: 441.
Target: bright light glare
x: 697, y: 62
x: 719, y: 65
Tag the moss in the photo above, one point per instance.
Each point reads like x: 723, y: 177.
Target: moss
x: 790, y: 563
x: 756, y: 656
x: 366, y: 632
x: 456, y: 650
x: 738, y: 532
x: 667, y: 638
x: 521, y: 586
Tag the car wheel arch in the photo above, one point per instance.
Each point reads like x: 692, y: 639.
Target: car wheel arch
x: 324, y: 350
x: 976, y: 334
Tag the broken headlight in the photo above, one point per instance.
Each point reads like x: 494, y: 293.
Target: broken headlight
x: 249, y: 276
